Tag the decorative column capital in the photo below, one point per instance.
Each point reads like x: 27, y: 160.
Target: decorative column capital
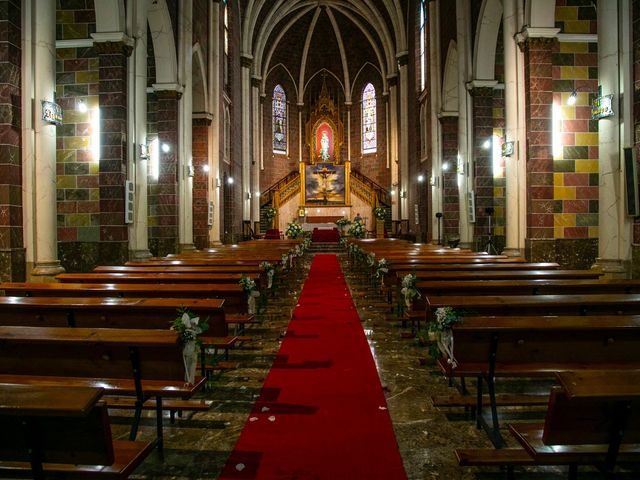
x: 110, y: 43
x: 246, y: 60
x: 168, y: 91
x: 537, y: 37
x: 403, y: 58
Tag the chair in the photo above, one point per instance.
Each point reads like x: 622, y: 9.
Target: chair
x: 272, y: 234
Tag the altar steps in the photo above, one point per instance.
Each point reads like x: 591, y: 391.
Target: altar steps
x: 321, y: 247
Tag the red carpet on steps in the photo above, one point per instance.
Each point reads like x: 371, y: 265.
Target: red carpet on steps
x: 321, y: 413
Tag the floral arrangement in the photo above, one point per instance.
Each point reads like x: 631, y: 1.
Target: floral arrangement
x: 284, y: 261
x: 371, y: 259
x: 343, y: 242
x: 440, y: 328
x: 306, y: 243
x: 409, y: 289
x: 189, y: 327
x: 270, y: 213
x: 357, y: 229
x: 270, y: 271
x: 249, y: 286
x: 294, y: 230
x: 381, y: 268
x: 343, y: 222
x: 379, y: 213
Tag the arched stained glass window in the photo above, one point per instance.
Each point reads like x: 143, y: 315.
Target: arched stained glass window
x: 279, y: 120
x: 423, y: 44
x: 227, y: 135
x: 369, y: 137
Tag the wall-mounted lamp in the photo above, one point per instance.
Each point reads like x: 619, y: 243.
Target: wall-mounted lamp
x: 230, y: 180
x: 258, y: 194
x: 82, y: 106
x: 487, y: 144
x: 248, y: 195
x: 403, y: 194
x: 445, y: 167
x: 420, y: 178
x: 205, y: 168
x: 572, y: 98
x: 144, y: 151
x: 434, y: 181
x: 166, y: 148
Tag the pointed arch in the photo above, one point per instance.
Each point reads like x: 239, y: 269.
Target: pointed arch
x: 484, y: 57
x: 110, y: 16
x: 163, y: 43
x: 362, y: 68
x: 369, y: 118
x: 328, y: 72
x: 272, y: 69
x: 200, y: 90
x: 450, y: 81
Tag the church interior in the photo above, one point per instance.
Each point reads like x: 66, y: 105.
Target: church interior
x: 240, y: 238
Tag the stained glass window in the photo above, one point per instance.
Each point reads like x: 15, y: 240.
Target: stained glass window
x: 226, y: 44
x: 423, y: 44
x: 369, y: 119
x: 227, y: 135
x: 279, y: 120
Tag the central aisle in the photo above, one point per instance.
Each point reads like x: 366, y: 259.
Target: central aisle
x: 322, y: 412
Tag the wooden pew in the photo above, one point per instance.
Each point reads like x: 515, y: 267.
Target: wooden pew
x: 62, y: 431
x: 137, y: 363
x: 538, y: 346
x: 155, y: 268
x: 592, y: 419
x: 153, y: 277
x: 526, y: 287
x: 235, y: 299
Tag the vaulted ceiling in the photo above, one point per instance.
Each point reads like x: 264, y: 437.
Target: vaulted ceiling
x: 337, y: 37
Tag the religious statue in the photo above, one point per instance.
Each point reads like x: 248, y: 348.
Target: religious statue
x: 324, y: 147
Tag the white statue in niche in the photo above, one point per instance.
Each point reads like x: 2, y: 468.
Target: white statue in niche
x: 324, y: 147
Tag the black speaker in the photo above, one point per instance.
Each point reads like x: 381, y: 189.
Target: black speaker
x: 631, y: 182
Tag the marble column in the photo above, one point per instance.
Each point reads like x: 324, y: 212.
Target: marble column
x: 246, y: 62
x: 465, y: 126
x: 450, y: 193
x: 185, y: 114
x: 403, y: 137
x: 515, y: 164
x: 215, y: 129
x: 256, y: 146
x: 482, y: 98
x: 112, y: 58
x: 137, y: 128
x: 436, y: 105
x: 615, y: 228
x: 12, y: 252
x: 393, y: 142
x: 539, y: 103
x: 46, y: 261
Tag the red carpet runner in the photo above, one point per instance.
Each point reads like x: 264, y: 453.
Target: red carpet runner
x: 321, y: 413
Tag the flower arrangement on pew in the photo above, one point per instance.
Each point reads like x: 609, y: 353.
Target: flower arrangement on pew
x: 306, y: 244
x: 371, y: 259
x: 379, y: 213
x: 294, y: 230
x: 344, y: 243
x: 409, y: 289
x: 357, y: 229
x: 284, y: 261
x: 382, y: 268
x: 189, y: 327
x: 249, y: 286
x: 440, y: 329
x: 270, y: 270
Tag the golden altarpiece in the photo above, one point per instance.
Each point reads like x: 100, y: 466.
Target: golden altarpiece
x: 325, y: 176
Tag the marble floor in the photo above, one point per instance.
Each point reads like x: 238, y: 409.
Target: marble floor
x: 197, y: 445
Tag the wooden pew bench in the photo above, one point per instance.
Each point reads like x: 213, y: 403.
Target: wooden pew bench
x: 62, y: 431
x: 137, y: 363
x: 97, y: 312
x: 538, y: 346
x: 592, y: 419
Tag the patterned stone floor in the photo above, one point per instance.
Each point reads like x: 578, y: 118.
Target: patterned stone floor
x: 197, y: 446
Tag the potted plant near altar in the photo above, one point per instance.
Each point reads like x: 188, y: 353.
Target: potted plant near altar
x: 188, y: 328
x: 379, y: 213
x: 357, y: 229
x: 269, y: 215
x: 341, y: 223
x: 294, y: 230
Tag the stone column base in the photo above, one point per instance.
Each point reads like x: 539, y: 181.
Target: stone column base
x: 512, y: 252
x: 216, y: 243
x: 139, y: 254
x: 612, y: 267
x: 186, y: 247
x: 45, y: 271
